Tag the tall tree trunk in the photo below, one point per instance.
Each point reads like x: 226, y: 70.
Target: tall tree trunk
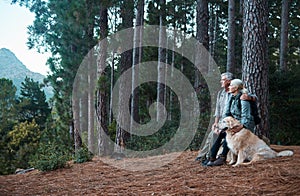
x: 284, y: 34
x: 161, y: 59
x: 202, y: 23
x: 202, y: 60
x: 112, y: 76
x: 255, y: 56
x: 101, y: 94
x: 91, y: 77
x: 122, y: 135
x: 91, y: 105
x: 84, y: 110
x: 137, y: 53
x: 213, y: 29
x: 231, y: 37
x: 76, y: 122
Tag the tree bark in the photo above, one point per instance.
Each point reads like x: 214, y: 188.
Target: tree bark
x: 91, y: 78
x: 91, y: 106
x: 137, y: 54
x: 202, y: 23
x: 284, y: 35
x: 231, y: 37
x: 255, y: 57
x: 101, y: 94
x: 76, y: 123
x: 125, y: 63
x: 161, y: 59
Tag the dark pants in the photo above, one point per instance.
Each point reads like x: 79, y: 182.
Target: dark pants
x: 215, y: 148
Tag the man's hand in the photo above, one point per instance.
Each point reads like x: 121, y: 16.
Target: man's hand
x: 215, y: 128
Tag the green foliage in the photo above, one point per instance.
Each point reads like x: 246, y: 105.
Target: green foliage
x: 6, y: 156
x: 50, y: 156
x: 7, y: 106
x: 159, y: 138
x: 112, y: 130
x: 24, y: 133
x: 70, y: 28
x: 7, y: 122
x: 285, y: 108
x: 83, y: 155
x: 103, y: 83
x: 55, y: 148
x: 33, y: 103
x: 24, y: 139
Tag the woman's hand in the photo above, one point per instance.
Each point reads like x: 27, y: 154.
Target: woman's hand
x: 247, y: 97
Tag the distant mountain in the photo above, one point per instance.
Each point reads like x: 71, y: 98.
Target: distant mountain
x: 12, y: 68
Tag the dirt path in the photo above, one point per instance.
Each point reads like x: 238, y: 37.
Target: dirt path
x: 183, y: 176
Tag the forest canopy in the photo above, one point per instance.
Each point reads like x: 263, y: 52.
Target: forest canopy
x: 258, y: 41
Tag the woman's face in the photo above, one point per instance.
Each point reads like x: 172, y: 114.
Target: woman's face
x: 232, y: 89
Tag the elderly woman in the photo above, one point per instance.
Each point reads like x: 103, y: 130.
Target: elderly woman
x: 238, y: 109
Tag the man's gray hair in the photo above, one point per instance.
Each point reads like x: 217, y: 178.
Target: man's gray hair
x: 228, y: 75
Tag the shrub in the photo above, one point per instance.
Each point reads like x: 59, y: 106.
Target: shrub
x: 83, y: 155
x: 50, y: 157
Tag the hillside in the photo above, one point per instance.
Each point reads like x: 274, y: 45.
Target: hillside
x: 12, y: 68
x: 183, y: 176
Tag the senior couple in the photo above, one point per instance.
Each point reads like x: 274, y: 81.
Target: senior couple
x: 232, y: 100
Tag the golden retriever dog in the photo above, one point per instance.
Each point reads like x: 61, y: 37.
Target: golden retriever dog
x: 245, y: 145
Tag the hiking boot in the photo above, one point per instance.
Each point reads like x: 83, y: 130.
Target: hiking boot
x: 198, y: 158
x: 204, y: 162
x: 210, y: 162
x: 220, y: 161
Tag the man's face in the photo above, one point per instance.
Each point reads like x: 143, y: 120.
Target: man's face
x: 224, y: 82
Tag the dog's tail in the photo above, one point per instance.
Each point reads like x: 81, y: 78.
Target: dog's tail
x: 285, y: 153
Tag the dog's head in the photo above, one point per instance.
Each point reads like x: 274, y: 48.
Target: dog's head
x: 228, y: 123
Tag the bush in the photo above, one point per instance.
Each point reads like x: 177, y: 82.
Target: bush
x: 50, y: 157
x: 83, y: 155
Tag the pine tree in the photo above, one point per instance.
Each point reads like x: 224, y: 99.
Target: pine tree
x: 255, y: 56
x: 33, y: 104
x: 7, y: 121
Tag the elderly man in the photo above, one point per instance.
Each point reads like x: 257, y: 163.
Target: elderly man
x: 222, y: 98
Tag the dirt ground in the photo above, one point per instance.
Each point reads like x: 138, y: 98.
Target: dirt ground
x: 183, y: 176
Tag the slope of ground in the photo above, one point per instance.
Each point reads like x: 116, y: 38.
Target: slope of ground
x: 183, y: 176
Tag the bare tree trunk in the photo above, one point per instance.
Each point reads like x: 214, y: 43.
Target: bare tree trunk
x: 89, y: 118
x: 202, y: 23
x: 101, y: 95
x: 76, y: 117
x: 284, y: 34
x: 91, y: 105
x: 112, y: 76
x: 255, y: 56
x: 161, y: 59
x: 213, y: 29
x: 137, y: 50
x: 125, y: 63
x: 170, y: 73
x: 231, y: 37
x: 84, y: 110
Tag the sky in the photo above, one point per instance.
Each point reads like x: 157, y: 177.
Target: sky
x: 14, y: 21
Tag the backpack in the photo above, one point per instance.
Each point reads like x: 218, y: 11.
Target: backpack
x: 254, y: 110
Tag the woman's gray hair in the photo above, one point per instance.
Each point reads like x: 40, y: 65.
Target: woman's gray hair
x: 228, y: 75
x: 238, y: 83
